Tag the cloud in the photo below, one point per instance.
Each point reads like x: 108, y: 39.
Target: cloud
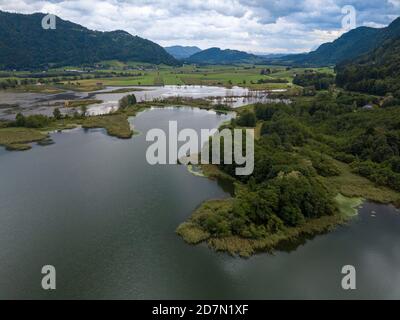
x: 252, y: 25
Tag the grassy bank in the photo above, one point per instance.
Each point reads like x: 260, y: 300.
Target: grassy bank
x: 19, y: 139
x: 203, y: 104
x: 81, y: 86
x: 212, y: 172
x: 352, y: 185
x: 46, y: 89
x: 124, y: 90
x: 81, y: 103
x: 116, y: 125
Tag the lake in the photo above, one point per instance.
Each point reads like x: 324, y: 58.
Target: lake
x: 91, y: 206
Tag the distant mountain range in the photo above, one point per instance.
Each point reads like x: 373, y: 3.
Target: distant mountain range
x: 25, y: 44
x: 181, y: 52
x: 219, y: 56
x: 349, y: 46
x: 271, y: 55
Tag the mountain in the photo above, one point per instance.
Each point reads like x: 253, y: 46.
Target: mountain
x: 25, y: 44
x: 349, y: 46
x: 180, y: 52
x: 218, y: 56
x: 272, y: 55
x: 377, y: 72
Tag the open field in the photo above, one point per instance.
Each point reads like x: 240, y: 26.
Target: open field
x: 228, y: 76
x: 115, y: 73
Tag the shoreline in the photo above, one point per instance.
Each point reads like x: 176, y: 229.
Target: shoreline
x: 116, y: 124
x: 348, y: 198
x: 193, y: 234
x: 351, y: 192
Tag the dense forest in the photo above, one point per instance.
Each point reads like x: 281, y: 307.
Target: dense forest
x: 317, y: 80
x: 299, y: 146
x: 376, y: 73
x: 24, y: 44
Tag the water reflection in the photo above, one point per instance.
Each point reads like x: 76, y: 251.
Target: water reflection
x: 39, y: 103
x: 92, y: 206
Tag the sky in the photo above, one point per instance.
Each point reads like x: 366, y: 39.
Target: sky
x: 258, y: 26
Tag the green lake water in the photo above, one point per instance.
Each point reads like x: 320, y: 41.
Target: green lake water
x: 91, y: 206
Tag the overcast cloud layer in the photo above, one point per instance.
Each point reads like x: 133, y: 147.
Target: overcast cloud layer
x: 264, y: 26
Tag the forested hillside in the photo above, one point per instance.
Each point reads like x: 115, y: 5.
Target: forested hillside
x: 218, y: 56
x: 25, y: 44
x: 376, y: 73
x: 349, y: 46
x: 181, y: 52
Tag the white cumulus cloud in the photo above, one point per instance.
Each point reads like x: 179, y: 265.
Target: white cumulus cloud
x: 253, y: 25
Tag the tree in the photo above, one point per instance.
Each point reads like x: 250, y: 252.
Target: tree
x: 127, y: 101
x: 37, y: 121
x: 57, y: 114
x: 247, y: 119
x: 316, y: 80
x: 20, y: 120
x: 83, y: 111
